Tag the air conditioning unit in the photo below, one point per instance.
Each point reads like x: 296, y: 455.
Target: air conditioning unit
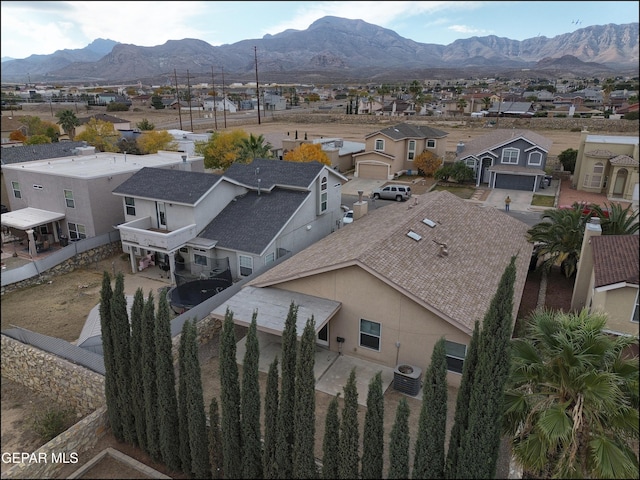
x: 407, y: 379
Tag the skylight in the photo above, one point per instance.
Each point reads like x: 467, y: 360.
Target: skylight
x: 431, y: 223
x: 414, y: 235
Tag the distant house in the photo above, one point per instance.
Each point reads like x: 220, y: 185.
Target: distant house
x: 608, y: 164
x: 340, y: 152
x: 10, y: 125
x: 219, y: 104
x: 118, y: 123
x: 607, y: 278
x: 513, y: 159
x: 391, y: 151
x: 511, y: 109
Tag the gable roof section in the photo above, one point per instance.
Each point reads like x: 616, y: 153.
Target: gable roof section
x: 168, y: 185
x: 406, y: 130
x: 615, y: 259
x: 498, y: 138
x: 31, y: 153
x: 103, y: 117
x: 251, y: 222
x: 459, y: 286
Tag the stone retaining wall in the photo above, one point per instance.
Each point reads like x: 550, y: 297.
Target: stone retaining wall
x: 206, y: 329
x: 84, y: 259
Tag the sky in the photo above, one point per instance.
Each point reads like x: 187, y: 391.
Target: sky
x: 42, y: 27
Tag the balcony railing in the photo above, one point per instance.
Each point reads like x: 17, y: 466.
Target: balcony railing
x: 141, y: 232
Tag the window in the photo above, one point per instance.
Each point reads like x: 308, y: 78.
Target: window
x: 596, y: 177
x: 130, y: 204
x: 77, y: 231
x: 199, y: 259
x: 370, y: 334
x: 510, y: 155
x: 535, y: 158
x: 269, y: 258
x: 456, y: 352
x: 324, y: 195
x: 246, y: 265
x: 68, y: 197
x: 431, y: 143
x: 634, y: 317
x: 412, y: 150
x: 16, y: 190
x: 379, y: 145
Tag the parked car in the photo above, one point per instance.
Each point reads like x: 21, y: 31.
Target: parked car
x: 393, y: 192
x: 347, y: 218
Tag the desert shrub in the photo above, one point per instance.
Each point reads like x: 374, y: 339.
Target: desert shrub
x: 631, y: 116
x: 117, y: 107
x: 51, y: 422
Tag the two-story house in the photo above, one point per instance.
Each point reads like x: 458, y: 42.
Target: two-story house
x: 246, y: 218
x: 391, y: 151
x: 513, y: 159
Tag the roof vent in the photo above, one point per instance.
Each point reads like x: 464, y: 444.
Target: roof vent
x: 414, y: 235
x: 444, y: 251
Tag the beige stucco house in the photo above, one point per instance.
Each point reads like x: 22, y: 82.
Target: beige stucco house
x: 386, y: 288
x: 608, y: 164
x: 390, y: 152
x: 607, y: 278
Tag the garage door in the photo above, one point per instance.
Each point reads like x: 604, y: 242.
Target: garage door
x: 372, y: 172
x: 515, y: 182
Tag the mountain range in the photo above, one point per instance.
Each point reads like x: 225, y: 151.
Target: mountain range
x: 334, y: 50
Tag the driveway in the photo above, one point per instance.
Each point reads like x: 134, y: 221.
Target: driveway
x: 365, y: 185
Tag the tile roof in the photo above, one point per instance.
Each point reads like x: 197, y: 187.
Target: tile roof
x: 406, y: 130
x: 459, y: 286
x: 251, y: 222
x: 31, y: 153
x: 274, y: 173
x: 615, y: 259
x: 497, y: 138
x: 169, y: 185
x: 624, y: 160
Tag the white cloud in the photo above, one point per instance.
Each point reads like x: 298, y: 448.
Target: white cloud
x: 464, y: 29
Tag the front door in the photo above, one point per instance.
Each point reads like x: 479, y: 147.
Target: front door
x: 162, y: 215
x: 323, y: 336
x: 621, y: 179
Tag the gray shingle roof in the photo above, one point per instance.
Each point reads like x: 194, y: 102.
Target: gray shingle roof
x: 251, y: 222
x: 459, y: 286
x: 169, y: 185
x: 274, y: 173
x: 103, y: 117
x: 406, y: 130
x: 31, y: 153
x: 495, y: 139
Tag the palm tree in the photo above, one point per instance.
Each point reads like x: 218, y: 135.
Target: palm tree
x: 68, y: 121
x: 618, y: 221
x: 486, y: 103
x: 572, y: 402
x: 255, y: 147
x: 461, y: 104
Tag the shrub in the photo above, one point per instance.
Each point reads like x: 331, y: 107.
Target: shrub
x: 631, y: 116
x: 117, y: 107
x: 51, y: 422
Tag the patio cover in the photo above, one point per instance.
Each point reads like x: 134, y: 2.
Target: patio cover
x: 29, y: 217
x: 272, y: 305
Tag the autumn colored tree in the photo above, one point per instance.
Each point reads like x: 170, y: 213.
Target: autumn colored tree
x: 152, y: 141
x: 17, y: 136
x: 101, y: 135
x: 427, y: 163
x: 307, y: 152
x: 222, y: 149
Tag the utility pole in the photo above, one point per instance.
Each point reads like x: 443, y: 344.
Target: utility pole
x: 213, y: 83
x: 175, y: 76
x: 224, y: 100
x: 189, y: 93
x: 255, y: 54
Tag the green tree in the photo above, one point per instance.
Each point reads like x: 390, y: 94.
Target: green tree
x: 331, y: 440
x: 255, y: 147
x: 137, y: 388
x: 415, y: 88
x: 373, y: 446
x: 117, y: 107
x: 183, y: 407
x: 215, y: 440
x: 168, y: 423
x: 481, y: 442
x: 348, y: 458
x: 461, y: 104
x: 128, y: 145
x: 429, y: 453
x: 149, y: 375
x: 101, y: 135
x: 572, y: 401
x: 399, y: 443
x: 156, y: 102
x: 618, y: 221
x: 145, y: 125
x: 304, y: 419
x: 486, y: 103
x: 230, y: 400
x: 68, y: 121
x: 110, y: 367
x: 284, y: 443
x: 250, y: 405
x: 567, y: 159
x: 271, y: 422
x: 37, y: 140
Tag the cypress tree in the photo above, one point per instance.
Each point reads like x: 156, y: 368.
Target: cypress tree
x: 250, y: 406
x: 429, y: 454
x: 110, y: 368
x: 183, y: 408
x: 149, y: 375
x: 122, y: 356
x: 481, y: 445
x: 137, y: 388
x: 304, y: 460
x: 461, y: 416
x: 215, y: 440
x: 168, y: 423
x: 284, y: 448
x: 373, y: 447
x: 230, y: 400
x: 330, y: 449
x: 198, y: 439
x: 399, y: 443
x: 348, y: 459
x: 271, y: 421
